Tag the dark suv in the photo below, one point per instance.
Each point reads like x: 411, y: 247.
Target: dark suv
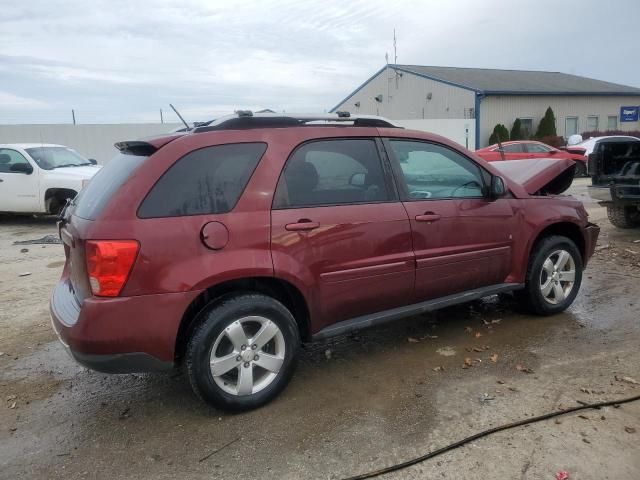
x: 222, y: 248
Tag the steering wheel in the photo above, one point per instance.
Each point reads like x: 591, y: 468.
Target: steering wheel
x: 465, y: 185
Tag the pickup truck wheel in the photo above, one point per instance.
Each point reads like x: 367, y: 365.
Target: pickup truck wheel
x: 243, y: 353
x: 553, y: 277
x: 623, y: 217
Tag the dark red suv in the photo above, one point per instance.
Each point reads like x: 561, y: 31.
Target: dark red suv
x: 222, y: 248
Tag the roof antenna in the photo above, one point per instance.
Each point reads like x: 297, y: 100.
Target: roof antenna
x: 180, y: 116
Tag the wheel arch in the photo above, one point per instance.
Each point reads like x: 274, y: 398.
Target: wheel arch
x: 277, y: 288
x: 563, y: 228
x: 59, y: 195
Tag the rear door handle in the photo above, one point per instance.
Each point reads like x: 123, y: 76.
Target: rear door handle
x: 301, y: 225
x: 427, y: 217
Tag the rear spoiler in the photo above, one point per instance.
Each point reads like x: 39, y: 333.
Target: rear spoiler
x: 147, y: 146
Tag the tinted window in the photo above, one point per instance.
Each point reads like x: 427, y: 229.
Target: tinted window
x: 92, y: 199
x: 434, y: 171
x: 8, y: 158
x: 332, y: 172
x: 205, y: 181
x: 537, y: 148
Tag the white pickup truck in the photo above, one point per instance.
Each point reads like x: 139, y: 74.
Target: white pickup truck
x: 39, y: 178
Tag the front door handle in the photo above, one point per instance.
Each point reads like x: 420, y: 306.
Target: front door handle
x: 301, y: 225
x: 427, y: 217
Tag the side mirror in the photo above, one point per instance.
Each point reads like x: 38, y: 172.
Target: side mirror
x: 497, y: 188
x: 21, y: 168
x: 93, y: 161
x: 357, y: 180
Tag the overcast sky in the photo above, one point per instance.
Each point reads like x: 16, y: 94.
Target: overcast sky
x: 121, y: 61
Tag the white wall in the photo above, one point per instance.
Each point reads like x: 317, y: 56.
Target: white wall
x: 92, y: 141
x: 451, y: 128
x: 408, y: 98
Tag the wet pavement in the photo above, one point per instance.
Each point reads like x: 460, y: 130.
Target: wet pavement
x: 357, y: 403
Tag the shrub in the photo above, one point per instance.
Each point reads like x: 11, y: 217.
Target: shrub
x: 500, y: 133
x: 553, y: 140
x: 547, y: 126
x: 516, y: 130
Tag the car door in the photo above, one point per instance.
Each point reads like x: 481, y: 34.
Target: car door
x: 515, y: 151
x: 19, y: 190
x: 340, y: 230
x: 462, y: 240
x: 537, y: 150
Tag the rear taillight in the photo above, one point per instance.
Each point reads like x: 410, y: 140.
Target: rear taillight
x: 108, y: 265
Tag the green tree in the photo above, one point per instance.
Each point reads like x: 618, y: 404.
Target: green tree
x: 516, y: 130
x: 547, y: 126
x: 500, y: 133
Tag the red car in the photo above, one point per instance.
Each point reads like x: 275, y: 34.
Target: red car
x: 222, y: 248
x: 528, y: 149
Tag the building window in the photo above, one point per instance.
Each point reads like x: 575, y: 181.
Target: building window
x: 612, y: 122
x: 526, y: 127
x: 570, y: 126
x: 592, y: 123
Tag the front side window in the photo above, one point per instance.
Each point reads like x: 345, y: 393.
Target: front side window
x: 332, y: 172
x: 206, y: 181
x: 537, y: 148
x: 432, y: 171
x: 9, y: 158
x: 49, y: 158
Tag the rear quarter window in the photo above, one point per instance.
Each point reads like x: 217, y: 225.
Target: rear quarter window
x: 206, y: 181
x: 92, y: 199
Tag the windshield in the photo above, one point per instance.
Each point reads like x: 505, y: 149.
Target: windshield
x: 49, y: 158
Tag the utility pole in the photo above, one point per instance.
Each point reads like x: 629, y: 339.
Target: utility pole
x: 73, y: 116
x: 161, y: 119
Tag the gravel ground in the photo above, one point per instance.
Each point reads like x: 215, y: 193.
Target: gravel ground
x: 377, y: 398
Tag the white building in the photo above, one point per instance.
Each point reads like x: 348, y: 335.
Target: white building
x: 488, y: 96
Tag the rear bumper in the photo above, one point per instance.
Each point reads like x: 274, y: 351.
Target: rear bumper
x: 119, y: 335
x: 619, y: 193
x: 591, y: 233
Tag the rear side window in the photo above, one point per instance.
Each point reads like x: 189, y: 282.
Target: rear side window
x: 104, y: 184
x: 206, y: 181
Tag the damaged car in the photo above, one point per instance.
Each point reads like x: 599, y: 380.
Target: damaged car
x: 221, y: 249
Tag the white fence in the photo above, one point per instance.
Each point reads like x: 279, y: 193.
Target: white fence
x: 96, y: 141
x: 462, y: 131
x: 92, y: 141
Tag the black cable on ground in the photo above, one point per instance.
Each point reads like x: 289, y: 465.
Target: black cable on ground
x: 485, y: 433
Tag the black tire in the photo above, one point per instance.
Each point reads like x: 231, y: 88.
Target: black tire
x: 581, y: 170
x: 213, y: 320
x: 531, y: 297
x: 623, y: 217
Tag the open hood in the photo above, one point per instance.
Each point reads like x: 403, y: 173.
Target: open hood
x: 541, y: 176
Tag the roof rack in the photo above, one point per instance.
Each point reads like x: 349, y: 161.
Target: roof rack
x: 246, y: 119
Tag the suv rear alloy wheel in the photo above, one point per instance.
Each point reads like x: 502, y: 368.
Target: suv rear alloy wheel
x: 553, y: 277
x: 623, y: 216
x: 243, y: 353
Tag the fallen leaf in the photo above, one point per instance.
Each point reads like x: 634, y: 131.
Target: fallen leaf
x: 584, y: 417
x: 13, y: 405
x: 467, y: 362
x: 522, y: 368
x: 478, y: 349
x: 629, y: 429
x: 413, y: 340
x: 585, y: 390
x: 478, y: 334
x: 494, y: 358
x: 500, y: 382
x: 438, y: 368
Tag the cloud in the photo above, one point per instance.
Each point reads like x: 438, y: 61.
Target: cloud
x: 119, y: 61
